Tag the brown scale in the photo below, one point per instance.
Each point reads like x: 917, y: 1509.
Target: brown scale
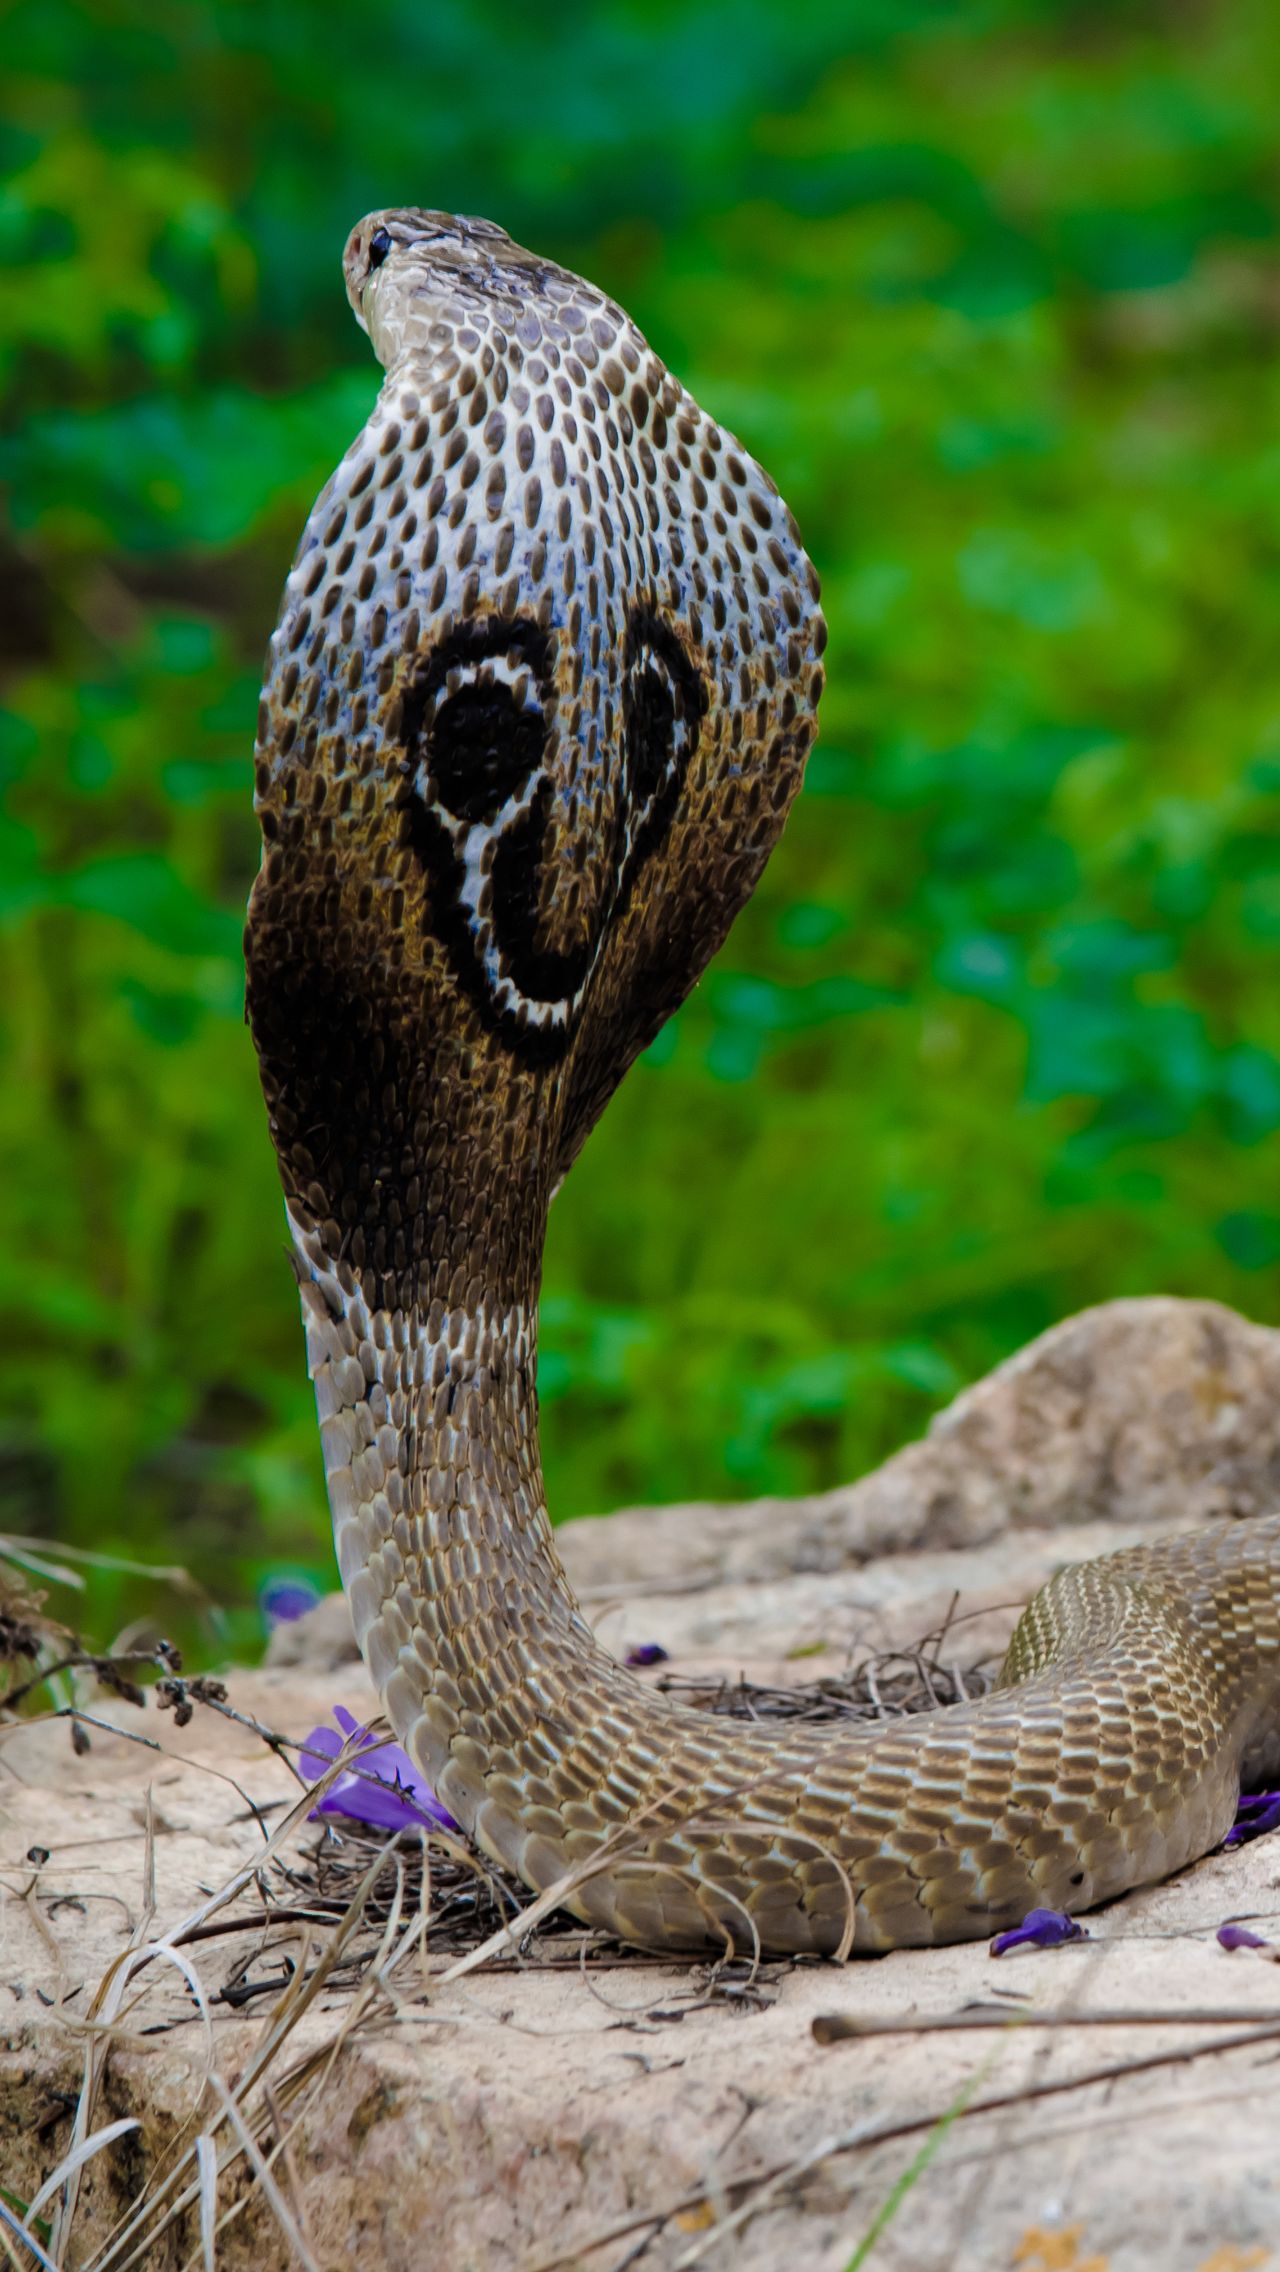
x: 545, y: 676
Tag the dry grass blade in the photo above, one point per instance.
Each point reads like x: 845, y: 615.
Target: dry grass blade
x: 207, y: 2169
x: 24, y: 1551
x: 76, y: 2160
x: 103, y: 2011
x: 284, y: 2148
x: 102, y: 2022
x: 31, y: 1556
x: 262, y: 2173
x: 315, y: 2065
x: 841, y: 2027
x: 173, y: 2195
x: 178, y: 2191
x: 9, y: 2224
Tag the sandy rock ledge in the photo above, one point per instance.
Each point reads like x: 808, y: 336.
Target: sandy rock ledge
x: 531, y: 2118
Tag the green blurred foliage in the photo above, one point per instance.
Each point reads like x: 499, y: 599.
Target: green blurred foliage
x: 993, y: 291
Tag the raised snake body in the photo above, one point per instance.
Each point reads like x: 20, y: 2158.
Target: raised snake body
x: 540, y: 695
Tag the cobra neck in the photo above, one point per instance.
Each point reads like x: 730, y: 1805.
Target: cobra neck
x: 428, y: 1423
x: 420, y: 1284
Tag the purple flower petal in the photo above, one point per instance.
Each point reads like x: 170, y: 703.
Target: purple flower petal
x: 391, y: 1796
x: 648, y: 1653
x: 1040, y: 1929
x: 1255, y: 1816
x: 284, y: 1599
x: 1240, y: 1937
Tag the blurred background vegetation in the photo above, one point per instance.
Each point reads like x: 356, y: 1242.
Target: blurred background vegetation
x: 993, y: 289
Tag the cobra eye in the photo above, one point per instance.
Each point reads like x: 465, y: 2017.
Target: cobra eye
x: 379, y: 247
x: 482, y: 745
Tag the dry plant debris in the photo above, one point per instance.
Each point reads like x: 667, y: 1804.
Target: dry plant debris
x: 886, y: 1686
x: 41, y: 1653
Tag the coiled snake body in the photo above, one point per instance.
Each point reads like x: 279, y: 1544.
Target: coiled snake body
x: 540, y: 695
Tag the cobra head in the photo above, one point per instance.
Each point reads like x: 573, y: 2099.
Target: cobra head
x: 541, y: 691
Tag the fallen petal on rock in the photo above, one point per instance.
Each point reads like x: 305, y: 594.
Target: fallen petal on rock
x: 1255, y: 1816
x: 1241, y: 1937
x: 1040, y: 1929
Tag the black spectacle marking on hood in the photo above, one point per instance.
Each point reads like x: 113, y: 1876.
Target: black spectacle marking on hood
x: 542, y: 974
x: 474, y: 642
x: 430, y: 842
x: 487, y: 751
x: 482, y: 746
x: 480, y: 750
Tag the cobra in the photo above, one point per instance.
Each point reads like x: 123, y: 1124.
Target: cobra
x: 540, y: 695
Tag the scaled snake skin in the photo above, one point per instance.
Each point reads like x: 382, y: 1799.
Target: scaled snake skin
x: 543, y: 684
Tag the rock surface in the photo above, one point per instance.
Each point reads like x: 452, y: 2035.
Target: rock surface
x: 531, y: 2117
x: 1130, y: 1413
